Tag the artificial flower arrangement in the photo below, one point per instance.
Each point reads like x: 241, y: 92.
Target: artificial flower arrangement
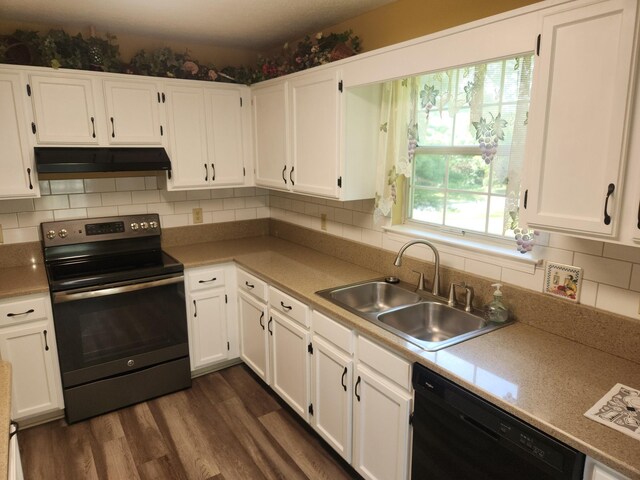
x: 57, y: 49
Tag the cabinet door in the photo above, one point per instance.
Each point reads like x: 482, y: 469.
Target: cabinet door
x: 332, y: 399
x: 64, y: 110
x: 579, y: 116
x: 133, y: 113
x: 35, y: 382
x: 290, y: 367
x: 18, y: 178
x: 187, y: 137
x: 315, y: 133
x: 253, y: 335
x: 225, y: 136
x: 381, y: 427
x: 270, y: 126
x: 207, y: 328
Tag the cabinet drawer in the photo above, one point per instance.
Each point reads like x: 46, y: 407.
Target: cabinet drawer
x: 340, y: 336
x: 383, y: 361
x: 288, y: 305
x: 202, y: 278
x: 24, y: 309
x: 253, y: 285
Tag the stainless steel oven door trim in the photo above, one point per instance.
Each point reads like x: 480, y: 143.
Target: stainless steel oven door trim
x: 71, y: 296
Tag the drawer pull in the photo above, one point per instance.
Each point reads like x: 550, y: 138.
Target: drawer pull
x: 208, y: 281
x: 261, y: 318
x: 286, y: 307
x: 249, y: 285
x: 31, y: 310
x: 344, y: 374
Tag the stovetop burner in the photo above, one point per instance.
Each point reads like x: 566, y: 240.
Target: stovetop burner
x: 100, y: 251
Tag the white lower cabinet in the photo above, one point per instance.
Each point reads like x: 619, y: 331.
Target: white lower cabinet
x: 357, y: 399
x: 382, y: 406
x: 594, y: 470
x: 254, y: 342
x: 332, y: 400
x: 212, y: 326
x: 289, y: 346
x: 27, y: 341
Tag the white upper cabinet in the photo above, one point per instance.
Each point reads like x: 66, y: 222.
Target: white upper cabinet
x: 315, y: 103
x: 579, y: 119
x: 64, y: 109
x: 188, y: 137
x: 18, y: 176
x: 223, y: 109
x: 207, y: 136
x: 133, y: 112
x: 309, y: 140
x: 271, y: 150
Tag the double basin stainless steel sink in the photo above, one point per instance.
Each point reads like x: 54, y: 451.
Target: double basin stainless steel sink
x: 418, y: 317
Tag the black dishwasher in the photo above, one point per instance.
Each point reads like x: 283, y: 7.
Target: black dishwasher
x: 457, y: 435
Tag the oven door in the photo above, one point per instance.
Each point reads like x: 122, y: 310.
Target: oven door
x: 119, y: 328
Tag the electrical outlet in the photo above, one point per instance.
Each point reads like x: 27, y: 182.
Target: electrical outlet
x: 197, y: 215
x: 323, y: 221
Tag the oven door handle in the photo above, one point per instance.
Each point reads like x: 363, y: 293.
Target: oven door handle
x: 61, y: 297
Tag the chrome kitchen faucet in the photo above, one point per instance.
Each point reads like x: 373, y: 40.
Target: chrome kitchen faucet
x: 436, y: 276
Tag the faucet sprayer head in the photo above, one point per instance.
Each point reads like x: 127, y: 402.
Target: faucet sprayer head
x: 398, y: 261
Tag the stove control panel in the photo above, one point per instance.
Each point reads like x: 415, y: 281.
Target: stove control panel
x: 85, y: 230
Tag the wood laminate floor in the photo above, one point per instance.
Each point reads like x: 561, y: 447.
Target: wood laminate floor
x: 227, y: 426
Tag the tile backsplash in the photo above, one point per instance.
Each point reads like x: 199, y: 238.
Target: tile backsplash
x: 611, y: 272
x: 61, y: 199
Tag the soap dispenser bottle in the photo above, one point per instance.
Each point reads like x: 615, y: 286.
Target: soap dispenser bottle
x: 496, y: 311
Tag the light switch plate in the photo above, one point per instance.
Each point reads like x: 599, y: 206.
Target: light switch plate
x: 197, y: 215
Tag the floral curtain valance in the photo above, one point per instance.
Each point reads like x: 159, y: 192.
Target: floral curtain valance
x: 483, y: 107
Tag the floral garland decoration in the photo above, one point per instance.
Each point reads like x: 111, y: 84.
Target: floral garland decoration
x: 57, y: 49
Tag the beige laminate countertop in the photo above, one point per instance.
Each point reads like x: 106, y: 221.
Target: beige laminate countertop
x: 5, y: 416
x: 546, y: 380
x: 17, y: 281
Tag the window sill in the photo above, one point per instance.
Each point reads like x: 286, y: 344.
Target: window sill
x: 463, y: 247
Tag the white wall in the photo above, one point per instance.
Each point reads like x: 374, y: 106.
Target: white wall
x: 611, y: 272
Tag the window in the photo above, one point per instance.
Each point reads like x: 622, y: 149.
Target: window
x: 466, y: 148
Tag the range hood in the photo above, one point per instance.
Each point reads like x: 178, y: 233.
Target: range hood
x: 81, y: 162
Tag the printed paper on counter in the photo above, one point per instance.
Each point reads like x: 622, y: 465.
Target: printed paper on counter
x: 619, y: 409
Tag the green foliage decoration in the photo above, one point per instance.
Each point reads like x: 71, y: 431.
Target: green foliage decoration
x: 58, y: 49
